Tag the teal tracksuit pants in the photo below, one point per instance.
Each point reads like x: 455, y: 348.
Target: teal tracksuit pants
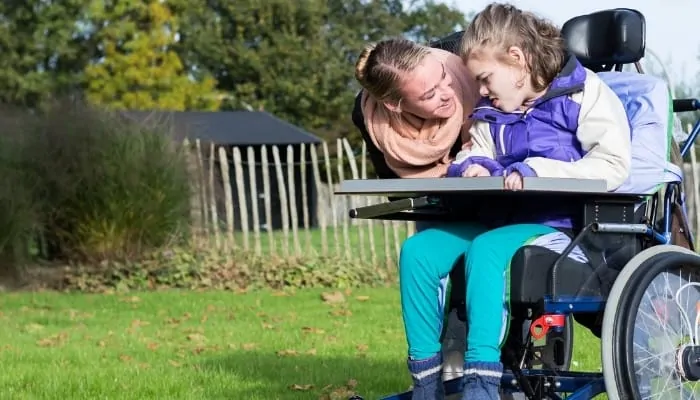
x: 425, y: 263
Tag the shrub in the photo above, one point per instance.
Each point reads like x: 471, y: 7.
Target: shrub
x: 192, y: 268
x: 19, y: 210
x: 105, y: 188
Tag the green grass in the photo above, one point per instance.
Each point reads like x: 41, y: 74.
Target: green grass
x: 208, y: 345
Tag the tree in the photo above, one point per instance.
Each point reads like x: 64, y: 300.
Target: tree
x: 139, y: 69
x: 296, y: 59
x: 42, y: 50
x: 428, y: 21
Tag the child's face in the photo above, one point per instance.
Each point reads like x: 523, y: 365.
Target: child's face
x: 427, y: 92
x: 504, y: 82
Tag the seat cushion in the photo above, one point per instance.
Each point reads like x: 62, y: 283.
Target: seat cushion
x: 531, y: 274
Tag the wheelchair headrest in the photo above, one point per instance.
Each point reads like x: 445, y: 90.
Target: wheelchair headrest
x: 606, y: 38
x: 449, y: 43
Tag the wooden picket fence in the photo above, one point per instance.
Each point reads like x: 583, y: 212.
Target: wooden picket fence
x: 335, y: 234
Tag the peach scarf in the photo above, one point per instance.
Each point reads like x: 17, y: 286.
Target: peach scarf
x: 421, y: 148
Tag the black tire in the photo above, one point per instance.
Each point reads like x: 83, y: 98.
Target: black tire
x: 621, y: 311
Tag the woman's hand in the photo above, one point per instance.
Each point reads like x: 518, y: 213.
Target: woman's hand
x: 514, y: 181
x: 475, y: 170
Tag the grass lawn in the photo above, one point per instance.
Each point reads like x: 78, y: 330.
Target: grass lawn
x: 208, y: 345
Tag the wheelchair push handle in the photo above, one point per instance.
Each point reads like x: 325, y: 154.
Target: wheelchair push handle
x: 686, y: 105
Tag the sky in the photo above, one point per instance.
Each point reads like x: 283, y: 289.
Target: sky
x: 670, y: 26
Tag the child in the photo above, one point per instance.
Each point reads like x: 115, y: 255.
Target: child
x: 541, y: 114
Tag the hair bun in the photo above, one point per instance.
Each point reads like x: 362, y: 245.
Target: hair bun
x: 362, y: 61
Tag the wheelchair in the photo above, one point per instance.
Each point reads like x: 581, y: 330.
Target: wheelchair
x: 637, y: 287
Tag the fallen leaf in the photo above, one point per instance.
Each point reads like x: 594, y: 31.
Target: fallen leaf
x: 153, y: 346
x: 53, y: 340
x: 362, y: 298
x: 333, y: 298
x: 31, y: 328
x: 297, y: 386
x: 125, y: 358
x: 341, y: 312
x: 283, y: 353
x: 309, y: 329
x: 267, y: 326
x: 331, y: 339
x: 249, y: 346
x: 203, y: 319
x: 311, y: 352
x: 138, y: 323
x: 132, y: 299
x: 338, y: 393
x: 196, y: 337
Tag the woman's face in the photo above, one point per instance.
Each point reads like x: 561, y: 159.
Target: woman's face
x: 427, y: 92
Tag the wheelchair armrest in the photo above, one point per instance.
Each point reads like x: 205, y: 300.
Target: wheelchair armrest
x: 686, y: 105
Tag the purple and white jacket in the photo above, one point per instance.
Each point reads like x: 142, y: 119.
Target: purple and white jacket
x: 577, y: 129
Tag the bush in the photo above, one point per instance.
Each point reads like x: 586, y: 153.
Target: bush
x: 19, y: 210
x: 191, y: 268
x: 101, y: 187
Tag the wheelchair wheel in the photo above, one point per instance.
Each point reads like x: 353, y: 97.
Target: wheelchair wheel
x: 650, y: 346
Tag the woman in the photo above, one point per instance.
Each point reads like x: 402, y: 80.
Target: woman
x: 412, y: 114
x: 413, y: 107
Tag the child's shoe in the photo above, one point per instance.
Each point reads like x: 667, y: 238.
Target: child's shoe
x: 482, y: 380
x: 427, y: 378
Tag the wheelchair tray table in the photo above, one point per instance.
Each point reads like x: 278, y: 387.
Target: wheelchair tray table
x: 461, y: 198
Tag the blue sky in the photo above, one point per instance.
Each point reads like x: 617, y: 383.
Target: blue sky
x: 670, y: 25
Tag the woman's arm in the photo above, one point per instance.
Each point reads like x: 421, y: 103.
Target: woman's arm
x: 604, y: 133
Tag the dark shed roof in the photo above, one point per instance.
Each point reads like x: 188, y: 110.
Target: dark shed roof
x: 227, y: 127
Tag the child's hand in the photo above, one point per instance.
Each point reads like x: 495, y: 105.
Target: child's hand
x: 514, y: 181
x: 475, y: 170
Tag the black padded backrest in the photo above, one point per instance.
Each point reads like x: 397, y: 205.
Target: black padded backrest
x: 607, y: 38
x: 449, y: 42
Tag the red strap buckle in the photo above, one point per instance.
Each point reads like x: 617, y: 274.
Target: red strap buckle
x: 540, y: 326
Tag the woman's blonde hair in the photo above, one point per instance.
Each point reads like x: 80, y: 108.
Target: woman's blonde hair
x: 502, y: 26
x: 380, y: 66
